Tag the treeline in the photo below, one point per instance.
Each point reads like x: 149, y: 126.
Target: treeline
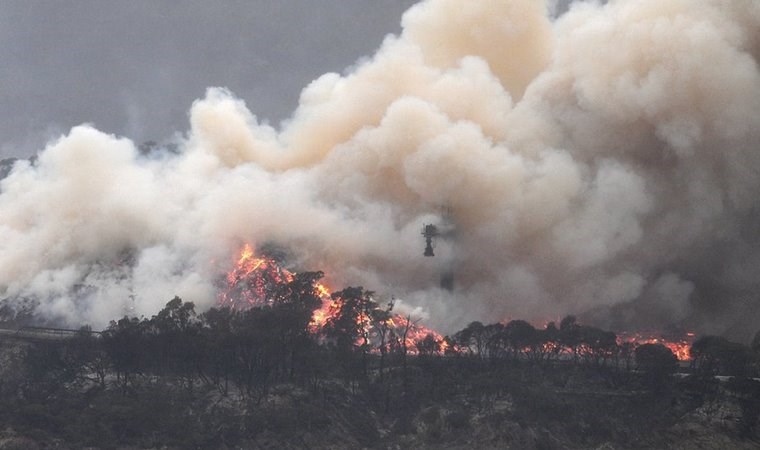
x: 247, y: 351
x: 251, y: 350
x: 380, y: 357
x: 592, y: 346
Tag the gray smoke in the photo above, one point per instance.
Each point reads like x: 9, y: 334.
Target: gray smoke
x: 604, y: 163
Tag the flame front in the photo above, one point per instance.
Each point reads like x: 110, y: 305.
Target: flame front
x: 679, y: 346
x: 252, y: 280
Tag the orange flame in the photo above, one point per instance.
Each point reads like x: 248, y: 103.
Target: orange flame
x: 252, y: 279
x: 679, y: 346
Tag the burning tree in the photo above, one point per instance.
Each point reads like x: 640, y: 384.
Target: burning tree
x: 252, y: 281
x: 350, y: 325
x: 350, y: 318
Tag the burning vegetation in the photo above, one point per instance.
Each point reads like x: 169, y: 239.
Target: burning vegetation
x: 300, y: 366
x: 587, y: 163
x: 258, y: 280
x: 284, y: 361
x: 572, y: 182
x: 679, y: 345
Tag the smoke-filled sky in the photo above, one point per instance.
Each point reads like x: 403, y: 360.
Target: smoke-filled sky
x: 134, y: 67
x: 604, y: 163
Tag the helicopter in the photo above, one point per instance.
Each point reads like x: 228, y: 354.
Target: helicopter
x: 429, y: 231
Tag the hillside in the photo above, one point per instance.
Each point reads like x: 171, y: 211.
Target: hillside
x: 262, y: 378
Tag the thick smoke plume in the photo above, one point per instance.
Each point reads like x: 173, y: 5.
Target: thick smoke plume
x: 605, y: 163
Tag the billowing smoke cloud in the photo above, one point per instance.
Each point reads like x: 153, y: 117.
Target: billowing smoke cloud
x: 605, y: 163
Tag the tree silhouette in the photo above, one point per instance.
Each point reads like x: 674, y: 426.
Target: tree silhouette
x: 349, y: 328
x: 472, y: 338
x: 712, y: 355
x: 521, y: 337
x: 570, y: 335
x: 125, y: 344
x: 657, y: 362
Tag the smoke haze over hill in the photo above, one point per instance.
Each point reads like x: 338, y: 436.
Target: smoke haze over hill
x: 603, y: 163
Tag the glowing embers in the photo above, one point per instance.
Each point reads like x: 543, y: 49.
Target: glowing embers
x: 329, y: 309
x: 679, y: 345
x: 252, y: 281
x: 418, y: 338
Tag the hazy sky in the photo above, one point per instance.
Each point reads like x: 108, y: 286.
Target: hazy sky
x: 134, y: 67
x: 605, y: 162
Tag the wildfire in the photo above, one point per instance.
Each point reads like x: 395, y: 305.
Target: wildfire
x: 328, y: 310
x: 679, y: 346
x: 416, y: 334
x: 253, y: 279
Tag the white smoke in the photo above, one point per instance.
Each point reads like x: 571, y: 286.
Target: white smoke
x: 605, y: 162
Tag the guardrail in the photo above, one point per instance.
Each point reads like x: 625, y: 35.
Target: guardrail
x: 45, y: 333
